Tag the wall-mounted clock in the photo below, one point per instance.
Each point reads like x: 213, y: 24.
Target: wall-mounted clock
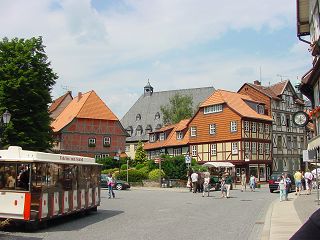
x: 300, y: 118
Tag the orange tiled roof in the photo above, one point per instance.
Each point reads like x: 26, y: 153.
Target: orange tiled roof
x: 88, y: 106
x: 265, y: 90
x: 171, y: 140
x: 236, y: 101
x: 279, y: 87
x: 57, y: 102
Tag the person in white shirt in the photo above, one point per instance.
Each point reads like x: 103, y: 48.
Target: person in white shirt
x: 194, y: 180
x: 308, y: 177
x: 206, y: 185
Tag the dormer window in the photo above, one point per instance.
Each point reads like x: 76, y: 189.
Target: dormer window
x: 179, y: 135
x: 158, y: 126
x: 138, y: 117
x: 212, y: 109
x: 260, y: 109
x: 162, y: 136
x: 152, y: 137
x: 139, y: 130
x: 157, y: 116
x: 129, y: 130
x: 148, y: 128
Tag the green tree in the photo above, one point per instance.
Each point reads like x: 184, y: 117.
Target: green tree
x: 179, y: 108
x: 140, y: 156
x: 26, y: 81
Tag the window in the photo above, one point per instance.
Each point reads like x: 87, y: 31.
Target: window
x: 193, y: 131
x: 254, y: 127
x: 162, y: 136
x: 138, y: 117
x: 278, y: 120
x: 246, y: 126
x: 213, y: 148
x: 127, y: 148
x: 279, y: 143
x: 106, y: 141
x: 152, y: 137
x: 289, y: 142
x: 91, y: 142
x: 246, y: 151
x: 177, y: 151
x: 260, y: 109
x: 129, y: 130
x: 179, y: 135
x: 157, y: 116
x: 194, y: 150
x: 233, y: 126
x: 267, y: 148
x: 260, y: 127
x: 260, y: 148
x: 254, y: 147
x: 139, y: 130
x: 212, y: 109
x: 288, y: 122
x: 267, y: 128
x: 212, y: 129
x: 148, y: 128
x: 294, y: 143
x: 234, y: 148
x: 101, y: 156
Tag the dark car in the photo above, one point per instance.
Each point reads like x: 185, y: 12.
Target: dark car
x: 275, y: 179
x: 119, y: 184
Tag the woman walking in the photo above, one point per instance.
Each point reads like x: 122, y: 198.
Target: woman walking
x: 111, y: 183
x: 252, y: 182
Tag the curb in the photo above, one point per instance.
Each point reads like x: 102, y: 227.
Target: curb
x: 265, y: 235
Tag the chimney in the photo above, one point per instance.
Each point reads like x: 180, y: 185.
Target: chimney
x: 79, y: 96
x: 256, y: 82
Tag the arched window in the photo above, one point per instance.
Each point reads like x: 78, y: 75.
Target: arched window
x: 148, y: 128
x: 157, y: 116
x: 139, y: 130
x: 138, y: 117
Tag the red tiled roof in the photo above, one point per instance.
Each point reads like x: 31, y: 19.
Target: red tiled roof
x: 279, y: 87
x: 88, y: 106
x: 58, y: 101
x: 235, y: 101
x: 265, y: 90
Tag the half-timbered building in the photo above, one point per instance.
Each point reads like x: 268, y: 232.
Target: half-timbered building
x: 288, y: 140
x: 232, y: 127
x: 87, y: 127
x: 172, y: 140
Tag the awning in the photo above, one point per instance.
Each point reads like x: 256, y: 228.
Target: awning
x: 314, y: 143
x: 218, y: 164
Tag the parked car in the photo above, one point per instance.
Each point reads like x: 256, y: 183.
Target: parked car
x: 119, y: 184
x: 274, y: 182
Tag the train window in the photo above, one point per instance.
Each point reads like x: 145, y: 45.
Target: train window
x: 23, y: 176
x: 8, y: 175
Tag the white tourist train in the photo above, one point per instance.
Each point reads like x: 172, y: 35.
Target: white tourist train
x: 37, y: 186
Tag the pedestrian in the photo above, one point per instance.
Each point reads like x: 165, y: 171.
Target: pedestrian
x: 288, y: 185
x: 111, y: 183
x: 200, y: 182
x: 303, y: 181
x: 229, y: 181
x: 282, y: 188
x: 308, y: 178
x: 297, y: 178
x: 223, y: 187
x: 189, y: 182
x: 194, y: 180
x: 243, y: 181
x: 206, y: 183
x: 252, y: 183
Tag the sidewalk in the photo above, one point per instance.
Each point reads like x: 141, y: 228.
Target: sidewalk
x: 282, y: 219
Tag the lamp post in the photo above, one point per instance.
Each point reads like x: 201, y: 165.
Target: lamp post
x: 6, y: 116
x: 119, y: 153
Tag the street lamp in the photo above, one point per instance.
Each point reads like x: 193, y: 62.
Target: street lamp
x: 6, y: 116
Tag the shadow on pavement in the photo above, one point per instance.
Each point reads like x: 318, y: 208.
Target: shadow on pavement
x: 12, y: 237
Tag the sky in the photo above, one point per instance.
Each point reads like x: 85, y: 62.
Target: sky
x: 114, y: 46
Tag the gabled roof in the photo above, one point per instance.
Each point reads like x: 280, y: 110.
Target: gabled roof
x: 279, y: 87
x: 149, y: 106
x: 171, y: 140
x: 55, y: 103
x: 235, y: 101
x: 264, y: 90
x: 87, y: 105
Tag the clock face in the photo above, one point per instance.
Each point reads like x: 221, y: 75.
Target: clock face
x: 300, y: 118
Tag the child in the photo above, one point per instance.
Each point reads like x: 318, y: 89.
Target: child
x: 282, y: 188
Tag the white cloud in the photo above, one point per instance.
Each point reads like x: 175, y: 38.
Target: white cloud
x: 114, y: 51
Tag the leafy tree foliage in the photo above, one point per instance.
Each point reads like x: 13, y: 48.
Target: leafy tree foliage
x: 140, y: 156
x: 26, y: 80
x: 174, y: 167
x: 179, y: 108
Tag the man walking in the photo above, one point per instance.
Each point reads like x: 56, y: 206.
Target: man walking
x: 308, y: 178
x: 297, y: 178
x: 228, y: 184
x: 194, y: 180
x: 243, y: 181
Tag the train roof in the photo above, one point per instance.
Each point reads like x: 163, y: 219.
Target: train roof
x: 15, y: 153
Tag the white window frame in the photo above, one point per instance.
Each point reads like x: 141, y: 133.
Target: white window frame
x: 246, y: 126
x: 152, y: 137
x: 193, y: 131
x: 254, y: 127
x: 127, y: 148
x: 267, y: 128
x: 194, y: 150
x: 106, y: 141
x: 162, y: 136
x: 260, y: 109
x: 233, y: 126
x: 234, y: 147
x: 177, y: 151
x: 91, y: 141
x: 179, y: 135
x: 260, y: 126
x: 254, y: 148
x: 212, y: 129
x: 212, y: 109
x: 260, y: 148
x: 267, y: 148
x: 213, y: 149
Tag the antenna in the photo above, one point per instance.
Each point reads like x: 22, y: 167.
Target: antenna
x: 260, y: 73
x: 65, y: 88
x: 282, y: 76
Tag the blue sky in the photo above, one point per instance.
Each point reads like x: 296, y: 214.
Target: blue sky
x: 115, y: 46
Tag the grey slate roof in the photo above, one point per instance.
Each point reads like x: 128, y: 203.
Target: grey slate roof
x: 149, y: 106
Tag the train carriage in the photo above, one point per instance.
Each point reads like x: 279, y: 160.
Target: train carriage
x: 37, y: 186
